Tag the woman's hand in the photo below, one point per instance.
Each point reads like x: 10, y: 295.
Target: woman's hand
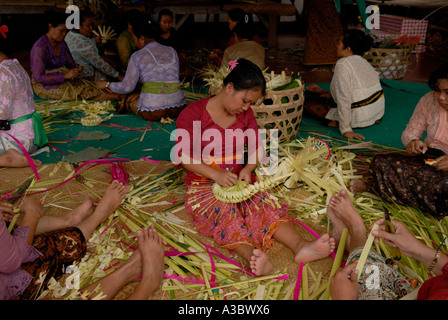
x: 402, y: 239
x: 344, y: 284
x: 101, y: 84
x: 72, y: 73
x: 441, y: 163
x: 353, y: 135
x: 416, y: 147
x: 246, y: 175
x: 225, y: 178
x: 7, y: 210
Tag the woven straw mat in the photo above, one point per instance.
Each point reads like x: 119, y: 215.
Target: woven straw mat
x: 63, y: 198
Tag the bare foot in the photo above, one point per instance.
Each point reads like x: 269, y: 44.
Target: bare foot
x: 134, y: 265
x: 338, y: 224
x: 14, y: 159
x: 81, y: 212
x: 314, y: 250
x: 259, y: 263
x: 111, y: 199
x: 343, y: 212
x: 358, y: 186
x: 315, y: 88
x: 152, y: 252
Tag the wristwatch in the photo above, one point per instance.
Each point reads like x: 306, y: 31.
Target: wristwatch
x: 107, y: 85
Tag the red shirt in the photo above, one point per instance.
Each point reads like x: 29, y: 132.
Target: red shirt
x: 200, y: 137
x: 435, y: 288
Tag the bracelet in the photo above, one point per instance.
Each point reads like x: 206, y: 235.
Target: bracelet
x: 436, y: 259
x: 107, y: 84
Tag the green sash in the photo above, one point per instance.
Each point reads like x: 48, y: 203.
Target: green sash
x: 161, y: 87
x: 40, y: 136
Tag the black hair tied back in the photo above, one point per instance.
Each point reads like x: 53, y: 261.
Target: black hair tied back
x: 358, y: 41
x: 246, y: 75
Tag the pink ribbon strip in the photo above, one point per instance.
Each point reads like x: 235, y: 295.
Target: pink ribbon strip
x: 150, y: 160
x: 298, y: 282
x: 27, y: 155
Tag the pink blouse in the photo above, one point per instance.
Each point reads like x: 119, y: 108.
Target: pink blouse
x: 16, y: 99
x: 430, y: 117
x: 13, y: 252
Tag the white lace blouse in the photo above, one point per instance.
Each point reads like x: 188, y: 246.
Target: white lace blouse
x: 354, y: 80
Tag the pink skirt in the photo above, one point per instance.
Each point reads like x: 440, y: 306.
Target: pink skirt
x: 253, y: 221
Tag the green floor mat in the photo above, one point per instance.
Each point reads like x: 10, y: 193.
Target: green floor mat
x: 401, y: 99
x: 128, y: 139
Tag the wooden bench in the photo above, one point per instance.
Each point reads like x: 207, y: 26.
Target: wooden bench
x: 29, y: 7
x: 186, y: 8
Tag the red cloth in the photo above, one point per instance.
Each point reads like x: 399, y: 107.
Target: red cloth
x: 435, y: 288
x: 201, y: 138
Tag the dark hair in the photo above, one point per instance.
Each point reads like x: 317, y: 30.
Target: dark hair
x: 358, y: 41
x: 84, y: 14
x: 243, y: 31
x: 439, y: 74
x: 165, y: 12
x: 239, y: 15
x: 133, y: 15
x: 55, y: 18
x: 146, y: 28
x: 3, y: 43
x: 246, y: 75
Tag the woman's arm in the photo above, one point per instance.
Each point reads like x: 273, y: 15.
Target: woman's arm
x: 93, y: 57
x: 130, y: 79
x: 410, y: 246
x: 417, y: 125
x: 12, y: 248
x: 33, y: 210
x: 39, y: 57
x: 223, y: 177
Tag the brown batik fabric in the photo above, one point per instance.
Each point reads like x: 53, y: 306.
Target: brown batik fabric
x: 408, y: 180
x: 59, y: 249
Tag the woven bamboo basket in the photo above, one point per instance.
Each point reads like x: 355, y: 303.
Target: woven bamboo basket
x: 281, y: 110
x: 389, y: 63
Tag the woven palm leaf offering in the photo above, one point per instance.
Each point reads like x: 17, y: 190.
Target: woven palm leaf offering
x: 106, y: 34
x: 281, y: 108
x: 306, y: 162
x: 95, y: 112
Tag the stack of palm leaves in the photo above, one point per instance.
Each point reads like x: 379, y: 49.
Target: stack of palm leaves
x: 195, y: 268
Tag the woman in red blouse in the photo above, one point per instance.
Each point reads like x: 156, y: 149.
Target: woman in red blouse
x: 225, y: 124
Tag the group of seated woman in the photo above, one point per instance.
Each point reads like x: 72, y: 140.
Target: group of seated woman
x: 67, y: 65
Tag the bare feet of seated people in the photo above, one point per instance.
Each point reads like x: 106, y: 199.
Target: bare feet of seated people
x: 343, y: 214
x: 152, y: 252
x: 305, y: 252
x: 80, y: 213
x: 320, y: 248
x: 145, y: 265
x: 259, y: 263
x: 358, y: 186
x: 14, y: 159
x: 111, y: 199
